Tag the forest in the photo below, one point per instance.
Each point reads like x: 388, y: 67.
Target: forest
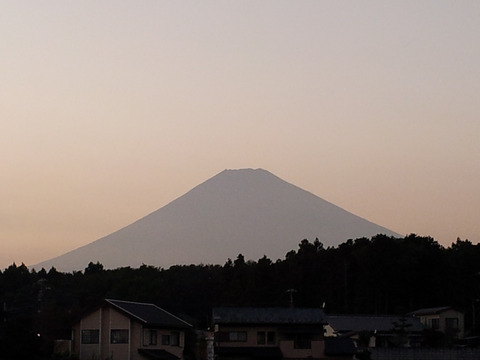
x: 380, y: 275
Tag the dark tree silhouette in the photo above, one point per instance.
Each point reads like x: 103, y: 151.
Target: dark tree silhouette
x: 381, y: 275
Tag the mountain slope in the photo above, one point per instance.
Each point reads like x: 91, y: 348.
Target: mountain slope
x: 247, y: 211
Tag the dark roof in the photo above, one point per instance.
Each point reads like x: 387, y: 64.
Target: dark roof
x: 157, y: 354
x: 278, y: 316
x: 257, y: 352
x: 339, y: 346
x: 347, y: 323
x: 430, y: 311
x: 149, y: 314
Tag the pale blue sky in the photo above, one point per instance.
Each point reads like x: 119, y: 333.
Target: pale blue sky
x: 111, y: 109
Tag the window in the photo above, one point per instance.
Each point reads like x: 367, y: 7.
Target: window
x: 237, y: 336
x: 231, y: 336
x: 265, y: 337
x: 150, y: 337
x: 175, y: 339
x: 451, y: 323
x: 271, y: 337
x: 435, y: 324
x: 91, y: 336
x: 261, y: 339
x: 119, y: 336
x: 302, y: 341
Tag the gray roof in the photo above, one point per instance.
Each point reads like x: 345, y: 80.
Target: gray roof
x: 346, y: 323
x: 430, y: 311
x: 149, y: 314
x: 277, y: 316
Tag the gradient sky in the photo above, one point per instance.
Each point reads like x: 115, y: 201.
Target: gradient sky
x: 111, y: 109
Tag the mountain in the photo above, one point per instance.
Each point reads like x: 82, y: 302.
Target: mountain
x: 251, y: 212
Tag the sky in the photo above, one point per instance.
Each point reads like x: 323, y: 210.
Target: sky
x: 109, y: 110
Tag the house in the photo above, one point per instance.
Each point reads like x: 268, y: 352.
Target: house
x: 376, y: 330
x: 272, y: 333
x: 445, y: 319
x: 124, y: 330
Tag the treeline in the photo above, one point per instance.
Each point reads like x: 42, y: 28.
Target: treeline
x: 381, y: 275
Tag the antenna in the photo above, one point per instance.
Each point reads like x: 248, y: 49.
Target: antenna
x: 291, y: 291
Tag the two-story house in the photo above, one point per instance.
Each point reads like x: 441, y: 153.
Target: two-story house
x: 269, y: 333
x: 445, y: 319
x: 124, y: 330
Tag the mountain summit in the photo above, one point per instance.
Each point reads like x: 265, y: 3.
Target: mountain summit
x: 246, y: 211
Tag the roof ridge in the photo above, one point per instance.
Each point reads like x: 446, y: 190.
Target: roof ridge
x: 131, y: 302
x: 110, y: 301
x: 169, y: 313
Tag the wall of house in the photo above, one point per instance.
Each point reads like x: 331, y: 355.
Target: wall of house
x: 118, y: 321
x: 454, y: 314
x: 426, y: 320
x: 136, y: 337
x: 106, y: 319
x: 174, y: 349
x: 90, y: 322
x: 105, y: 334
x: 251, y: 335
x: 139, y: 342
x: 289, y: 352
x: 283, y: 340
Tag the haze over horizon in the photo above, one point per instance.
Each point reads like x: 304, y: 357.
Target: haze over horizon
x: 112, y: 109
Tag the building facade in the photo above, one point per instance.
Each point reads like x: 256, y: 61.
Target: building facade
x: 123, y: 330
x: 269, y: 333
x: 445, y: 319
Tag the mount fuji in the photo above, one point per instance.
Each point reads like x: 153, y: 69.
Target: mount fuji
x: 251, y: 212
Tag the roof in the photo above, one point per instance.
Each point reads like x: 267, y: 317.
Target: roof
x: 346, y: 323
x: 149, y: 314
x: 277, y: 316
x: 157, y: 354
x: 431, y: 311
x: 256, y: 352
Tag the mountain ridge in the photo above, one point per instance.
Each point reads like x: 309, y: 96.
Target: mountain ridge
x: 248, y: 211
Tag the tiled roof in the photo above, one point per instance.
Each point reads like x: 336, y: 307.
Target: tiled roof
x: 346, y: 323
x: 279, y: 316
x: 149, y: 314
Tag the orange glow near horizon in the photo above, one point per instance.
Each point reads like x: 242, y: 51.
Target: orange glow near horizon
x: 110, y: 111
